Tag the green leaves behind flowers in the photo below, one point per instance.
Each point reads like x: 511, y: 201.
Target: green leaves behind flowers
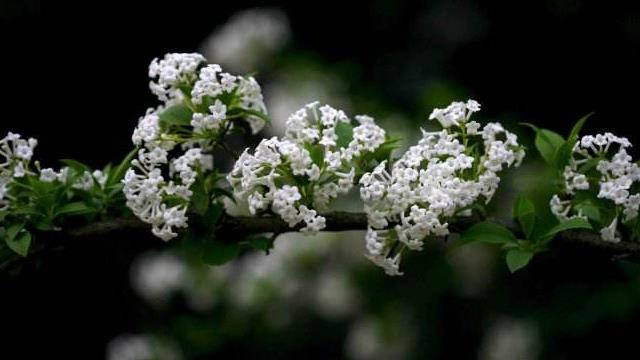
x: 176, y: 115
x: 536, y: 232
x: 487, y: 232
x: 554, y: 149
x: 344, y: 132
x: 214, y: 250
x: 519, y: 252
x: 525, y: 212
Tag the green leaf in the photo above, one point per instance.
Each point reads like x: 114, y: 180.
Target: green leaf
x: 257, y: 114
x: 518, y: 258
x: 487, y: 232
x: 13, y: 230
x: 3, y: 215
x: 219, y: 253
x: 17, y: 239
x: 74, y: 208
x: 344, y: 131
x: 591, y: 211
x: 384, y: 151
x: 21, y: 243
x: 547, y: 142
x: 525, y: 212
x: 575, y: 131
x: 200, y: 197
x: 176, y: 115
x: 214, y: 214
x: 575, y: 223
x: 118, y: 174
x: 563, y: 153
x: 261, y: 243
x: 218, y: 192
x: 76, y: 165
x: 317, y: 154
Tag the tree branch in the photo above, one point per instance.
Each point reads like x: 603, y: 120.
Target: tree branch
x: 237, y: 228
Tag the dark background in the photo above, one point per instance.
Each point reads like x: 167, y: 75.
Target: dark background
x: 74, y: 76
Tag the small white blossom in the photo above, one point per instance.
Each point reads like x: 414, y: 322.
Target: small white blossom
x: 48, y: 175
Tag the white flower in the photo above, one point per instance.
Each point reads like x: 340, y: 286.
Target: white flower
x: 613, y: 177
x: 433, y: 182
x: 148, y: 129
x: 15, y: 157
x: 85, y: 182
x: 307, y: 164
x: 186, y: 80
x: 146, y: 189
x: 171, y: 72
x: 609, y: 233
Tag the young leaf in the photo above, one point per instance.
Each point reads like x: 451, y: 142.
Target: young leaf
x: 76, y: 165
x: 547, y: 142
x: 487, y: 232
x: 219, y: 192
x: 575, y: 223
x: 317, y: 154
x: 74, y: 208
x: 118, y: 173
x: 525, y: 212
x: 257, y: 114
x: 219, y: 253
x: 213, y: 214
x: 262, y: 243
x: 575, y: 131
x: 176, y: 115
x: 344, y: 131
x: 518, y: 258
x: 200, y: 197
x: 563, y: 153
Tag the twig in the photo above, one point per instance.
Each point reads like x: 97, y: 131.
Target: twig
x: 237, y: 228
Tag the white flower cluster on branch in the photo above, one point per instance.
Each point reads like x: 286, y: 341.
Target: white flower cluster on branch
x: 600, y: 164
x: 17, y: 153
x: 314, y: 162
x: 201, y: 104
x: 441, y: 177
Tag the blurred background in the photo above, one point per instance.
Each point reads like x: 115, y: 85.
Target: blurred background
x: 75, y: 77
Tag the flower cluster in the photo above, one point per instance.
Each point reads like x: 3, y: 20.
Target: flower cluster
x: 17, y: 153
x: 161, y: 202
x: 208, y: 91
x: 200, y: 105
x: 600, y: 165
x: 314, y: 162
x: 441, y: 177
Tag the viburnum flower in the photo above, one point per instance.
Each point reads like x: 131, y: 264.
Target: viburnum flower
x: 201, y: 104
x: 600, y: 168
x: 314, y: 162
x: 15, y: 158
x: 436, y: 180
